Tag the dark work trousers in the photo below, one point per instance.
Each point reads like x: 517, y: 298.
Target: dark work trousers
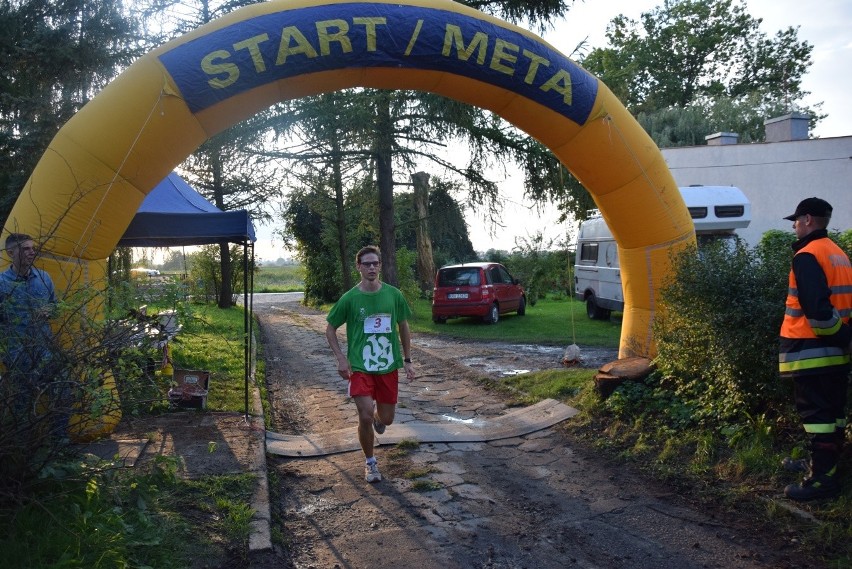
x: 821, y: 404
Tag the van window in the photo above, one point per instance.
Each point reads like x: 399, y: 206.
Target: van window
x: 589, y: 252
x: 459, y: 276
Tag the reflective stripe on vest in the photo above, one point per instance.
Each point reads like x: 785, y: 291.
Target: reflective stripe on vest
x: 838, y: 273
x: 810, y: 352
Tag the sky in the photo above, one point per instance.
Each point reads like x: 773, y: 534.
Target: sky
x: 824, y: 23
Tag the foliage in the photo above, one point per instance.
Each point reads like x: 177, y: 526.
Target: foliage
x: 90, y: 372
x: 540, y: 268
x: 406, y: 262
x: 546, y: 180
x: 54, y: 57
x: 447, y: 227
x: 93, y: 514
x: 313, y: 228
x: 717, y: 334
x: 205, y: 272
x: 697, y: 53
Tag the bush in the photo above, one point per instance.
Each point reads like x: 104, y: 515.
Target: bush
x: 540, y: 269
x: 205, y: 272
x: 717, y: 331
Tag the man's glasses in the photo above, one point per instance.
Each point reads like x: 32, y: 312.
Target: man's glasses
x: 371, y: 264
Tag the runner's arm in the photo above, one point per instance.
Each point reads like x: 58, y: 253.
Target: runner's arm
x: 405, y: 340
x: 343, y: 367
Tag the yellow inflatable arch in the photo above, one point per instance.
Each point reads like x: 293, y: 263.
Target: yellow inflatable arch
x: 99, y: 167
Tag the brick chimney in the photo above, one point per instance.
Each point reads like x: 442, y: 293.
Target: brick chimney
x: 794, y: 126
x: 722, y: 138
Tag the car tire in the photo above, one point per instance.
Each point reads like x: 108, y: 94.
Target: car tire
x: 493, y: 314
x: 522, y: 306
x: 593, y: 311
x: 439, y: 320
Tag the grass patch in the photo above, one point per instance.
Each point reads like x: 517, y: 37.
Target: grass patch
x: 212, y: 339
x: 550, y: 322
x: 415, y: 473
x: 426, y: 486
x: 408, y: 444
x: 559, y: 384
x: 287, y: 278
x: 87, y: 516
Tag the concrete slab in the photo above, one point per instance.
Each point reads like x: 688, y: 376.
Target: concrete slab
x: 515, y: 423
x: 124, y: 450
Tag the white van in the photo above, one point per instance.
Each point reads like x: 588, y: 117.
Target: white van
x: 717, y: 212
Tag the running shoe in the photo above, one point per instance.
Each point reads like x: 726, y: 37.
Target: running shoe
x: 371, y: 472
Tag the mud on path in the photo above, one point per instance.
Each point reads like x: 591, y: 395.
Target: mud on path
x: 538, y: 501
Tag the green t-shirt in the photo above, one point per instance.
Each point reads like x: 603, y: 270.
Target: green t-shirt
x: 372, y: 336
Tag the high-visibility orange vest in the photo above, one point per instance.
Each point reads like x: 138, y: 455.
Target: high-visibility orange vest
x: 838, y: 272
x: 810, y: 353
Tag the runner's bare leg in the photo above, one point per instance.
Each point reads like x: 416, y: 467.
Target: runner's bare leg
x: 364, y: 404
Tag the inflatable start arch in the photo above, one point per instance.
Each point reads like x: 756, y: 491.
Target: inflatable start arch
x: 99, y: 167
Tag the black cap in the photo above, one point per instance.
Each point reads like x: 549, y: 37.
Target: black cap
x: 811, y: 206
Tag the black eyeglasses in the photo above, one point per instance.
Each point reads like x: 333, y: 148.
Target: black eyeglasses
x: 371, y: 264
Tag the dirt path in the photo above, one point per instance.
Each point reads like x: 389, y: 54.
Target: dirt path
x: 538, y: 501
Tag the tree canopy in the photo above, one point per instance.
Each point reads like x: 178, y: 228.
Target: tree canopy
x: 54, y: 57
x: 689, y: 68
x: 685, y: 70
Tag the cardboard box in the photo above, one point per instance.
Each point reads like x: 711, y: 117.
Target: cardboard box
x: 190, y: 388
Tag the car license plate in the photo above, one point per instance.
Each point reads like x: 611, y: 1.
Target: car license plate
x: 453, y: 295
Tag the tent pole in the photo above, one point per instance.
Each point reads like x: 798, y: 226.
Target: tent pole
x: 246, y: 339
x: 251, y: 307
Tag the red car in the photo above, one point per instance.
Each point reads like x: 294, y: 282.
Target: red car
x: 486, y: 290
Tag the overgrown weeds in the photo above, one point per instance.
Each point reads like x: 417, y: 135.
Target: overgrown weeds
x: 93, y: 514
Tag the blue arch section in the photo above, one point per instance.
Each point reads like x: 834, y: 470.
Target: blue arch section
x: 267, y: 48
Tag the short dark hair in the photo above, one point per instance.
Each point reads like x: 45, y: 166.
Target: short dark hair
x: 15, y: 239
x: 366, y: 251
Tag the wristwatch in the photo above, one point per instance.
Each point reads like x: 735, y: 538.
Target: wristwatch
x: 406, y: 360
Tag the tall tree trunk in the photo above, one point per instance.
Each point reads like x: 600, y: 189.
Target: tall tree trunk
x: 425, y: 261
x: 225, y: 291
x: 384, y: 179
x: 340, y: 213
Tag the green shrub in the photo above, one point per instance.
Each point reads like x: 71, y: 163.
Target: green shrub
x: 717, y: 331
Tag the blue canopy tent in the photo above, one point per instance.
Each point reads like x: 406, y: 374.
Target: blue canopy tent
x: 173, y: 214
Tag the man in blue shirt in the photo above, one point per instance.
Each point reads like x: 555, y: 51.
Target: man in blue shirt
x: 27, y: 302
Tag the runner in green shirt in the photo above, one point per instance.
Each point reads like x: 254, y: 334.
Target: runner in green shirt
x: 372, y: 312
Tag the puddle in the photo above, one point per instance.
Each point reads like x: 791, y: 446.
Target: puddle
x: 503, y: 359
x: 471, y: 422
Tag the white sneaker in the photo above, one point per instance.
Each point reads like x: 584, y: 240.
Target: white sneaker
x: 371, y: 472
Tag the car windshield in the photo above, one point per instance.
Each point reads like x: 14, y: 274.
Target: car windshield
x: 459, y: 276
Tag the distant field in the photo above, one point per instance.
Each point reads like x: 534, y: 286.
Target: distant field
x: 289, y: 278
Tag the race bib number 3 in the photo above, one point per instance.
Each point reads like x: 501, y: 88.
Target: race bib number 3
x: 377, y: 324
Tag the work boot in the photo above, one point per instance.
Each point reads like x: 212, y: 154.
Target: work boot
x: 820, y: 487
x: 821, y: 482
x: 791, y: 464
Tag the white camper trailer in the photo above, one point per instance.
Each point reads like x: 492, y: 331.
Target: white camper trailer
x: 717, y: 212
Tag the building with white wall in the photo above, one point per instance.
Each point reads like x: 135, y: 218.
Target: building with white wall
x: 774, y: 175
